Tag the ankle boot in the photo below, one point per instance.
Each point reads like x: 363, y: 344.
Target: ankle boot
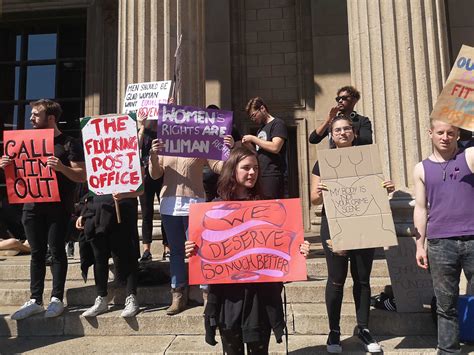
x: 179, y: 302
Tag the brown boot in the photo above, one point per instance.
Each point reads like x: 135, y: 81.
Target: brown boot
x: 179, y: 302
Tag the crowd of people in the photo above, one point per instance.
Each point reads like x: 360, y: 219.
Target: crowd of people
x: 244, y: 313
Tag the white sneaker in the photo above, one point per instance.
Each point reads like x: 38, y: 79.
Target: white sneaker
x: 28, y: 309
x: 55, y: 308
x: 131, y: 307
x: 100, y: 306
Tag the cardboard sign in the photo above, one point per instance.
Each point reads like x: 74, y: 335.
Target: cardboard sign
x: 412, y: 286
x: 194, y: 132
x: 145, y: 98
x: 111, y: 154
x: 356, y: 204
x: 455, y: 104
x: 29, y: 179
x: 246, y: 241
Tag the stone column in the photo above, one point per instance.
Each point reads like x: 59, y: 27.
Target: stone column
x: 148, y: 32
x: 399, y: 61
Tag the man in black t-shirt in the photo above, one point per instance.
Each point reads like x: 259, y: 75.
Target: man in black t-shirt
x: 46, y: 223
x: 270, y: 144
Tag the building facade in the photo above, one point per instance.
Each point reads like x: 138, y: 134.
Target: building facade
x: 293, y: 53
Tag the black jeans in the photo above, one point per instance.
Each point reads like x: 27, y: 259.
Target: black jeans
x: 47, y: 227
x: 152, y: 189
x: 102, y: 248
x: 361, y: 267
x: 232, y: 343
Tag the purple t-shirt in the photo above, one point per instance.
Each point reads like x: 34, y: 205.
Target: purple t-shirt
x: 450, y: 200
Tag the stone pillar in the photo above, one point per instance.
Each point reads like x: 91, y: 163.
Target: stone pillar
x: 101, y: 62
x: 399, y: 61
x: 148, y: 32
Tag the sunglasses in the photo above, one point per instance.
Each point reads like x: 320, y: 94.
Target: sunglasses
x: 343, y: 98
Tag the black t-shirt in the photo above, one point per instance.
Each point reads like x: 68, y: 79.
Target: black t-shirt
x: 67, y: 149
x: 272, y: 164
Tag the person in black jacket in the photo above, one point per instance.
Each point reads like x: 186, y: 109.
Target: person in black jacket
x: 245, y: 313
x: 347, y: 98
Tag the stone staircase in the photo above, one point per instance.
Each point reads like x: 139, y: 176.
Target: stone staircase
x: 153, y: 331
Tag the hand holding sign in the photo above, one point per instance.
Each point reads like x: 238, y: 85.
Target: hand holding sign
x: 5, y: 161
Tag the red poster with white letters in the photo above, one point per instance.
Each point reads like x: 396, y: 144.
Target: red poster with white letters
x: 28, y: 178
x: 247, y: 241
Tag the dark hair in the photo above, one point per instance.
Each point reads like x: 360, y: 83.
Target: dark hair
x: 341, y: 117
x: 227, y: 184
x: 50, y: 107
x: 212, y: 107
x: 351, y: 90
x: 255, y: 104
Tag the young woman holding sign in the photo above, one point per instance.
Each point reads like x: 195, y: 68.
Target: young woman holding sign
x: 342, y: 133
x: 245, y: 313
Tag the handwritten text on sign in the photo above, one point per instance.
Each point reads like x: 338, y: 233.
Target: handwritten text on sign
x: 29, y: 179
x: 250, y: 241
x: 455, y: 104
x: 194, y: 132
x: 144, y: 98
x: 111, y: 150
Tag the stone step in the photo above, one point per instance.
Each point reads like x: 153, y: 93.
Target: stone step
x: 190, y: 345
x: 17, y: 268
x: 15, y: 293
x: 303, y: 319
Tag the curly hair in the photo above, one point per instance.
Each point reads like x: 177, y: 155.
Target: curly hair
x: 227, y: 183
x: 351, y: 90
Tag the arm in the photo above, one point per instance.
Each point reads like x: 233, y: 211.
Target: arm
x: 420, y: 215
x: 274, y: 146
x: 76, y: 172
x: 322, y: 130
x: 317, y: 190
x: 365, y: 132
x: 155, y: 167
x: 470, y: 158
x: 215, y: 165
x: 5, y: 161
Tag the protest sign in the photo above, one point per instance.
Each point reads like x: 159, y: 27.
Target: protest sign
x: 28, y: 178
x: 246, y: 241
x: 111, y: 154
x: 145, y: 98
x: 412, y: 286
x: 455, y: 104
x: 188, y: 131
x: 356, y: 205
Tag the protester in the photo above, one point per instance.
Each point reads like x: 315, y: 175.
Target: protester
x: 46, y: 223
x: 343, y: 134
x: 146, y: 134
x: 245, y: 313
x: 347, y: 98
x: 104, y: 236
x: 13, y: 246
x: 443, y: 214
x: 270, y: 144
x: 182, y: 186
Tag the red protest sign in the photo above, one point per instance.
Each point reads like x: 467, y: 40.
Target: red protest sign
x: 29, y: 179
x: 246, y: 241
x: 111, y: 154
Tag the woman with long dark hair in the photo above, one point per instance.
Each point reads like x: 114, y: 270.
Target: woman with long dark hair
x: 244, y: 313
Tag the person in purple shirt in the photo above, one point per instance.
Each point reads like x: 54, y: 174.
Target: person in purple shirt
x: 444, y: 201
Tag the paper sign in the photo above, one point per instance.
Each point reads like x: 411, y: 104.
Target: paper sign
x: 194, y: 132
x: 29, y: 179
x: 246, y: 241
x: 144, y: 98
x: 356, y: 204
x: 455, y: 104
x: 111, y: 154
x: 412, y: 286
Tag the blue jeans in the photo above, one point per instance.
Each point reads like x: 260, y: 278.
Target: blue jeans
x: 447, y: 257
x: 176, y: 228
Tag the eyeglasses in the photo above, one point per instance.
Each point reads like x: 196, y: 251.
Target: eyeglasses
x: 344, y: 129
x: 343, y: 98
x: 254, y: 114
